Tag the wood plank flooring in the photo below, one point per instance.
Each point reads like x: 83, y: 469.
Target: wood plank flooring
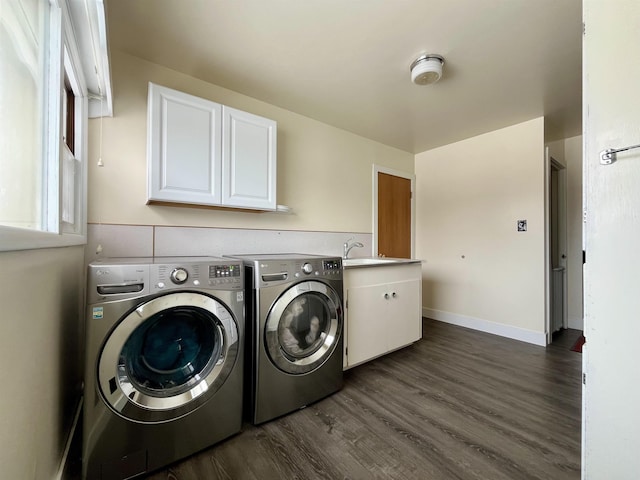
x: 459, y: 404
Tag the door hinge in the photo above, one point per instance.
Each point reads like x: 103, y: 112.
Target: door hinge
x: 584, y: 378
x: 346, y: 304
x: 584, y: 257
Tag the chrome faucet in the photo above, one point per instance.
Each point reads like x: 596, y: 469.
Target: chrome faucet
x: 347, y: 248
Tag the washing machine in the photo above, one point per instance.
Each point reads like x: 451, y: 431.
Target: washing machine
x: 164, y: 361
x: 294, y: 319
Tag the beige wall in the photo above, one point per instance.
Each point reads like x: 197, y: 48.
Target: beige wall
x: 324, y: 173
x: 41, y: 335
x: 479, y: 270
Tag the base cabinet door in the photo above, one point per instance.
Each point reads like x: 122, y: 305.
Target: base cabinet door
x: 384, y: 316
x: 367, y: 311
x: 403, y: 308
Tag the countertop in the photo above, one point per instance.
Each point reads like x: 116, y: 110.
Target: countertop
x: 377, y: 262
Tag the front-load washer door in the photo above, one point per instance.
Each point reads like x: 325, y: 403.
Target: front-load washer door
x: 303, y: 327
x: 166, y: 357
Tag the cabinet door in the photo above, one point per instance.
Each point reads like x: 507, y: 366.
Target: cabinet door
x: 249, y: 160
x: 184, y: 151
x: 404, y: 322
x: 366, y: 323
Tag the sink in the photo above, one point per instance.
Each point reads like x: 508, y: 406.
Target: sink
x: 354, y: 262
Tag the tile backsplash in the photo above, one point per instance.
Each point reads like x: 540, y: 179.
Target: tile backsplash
x: 106, y: 240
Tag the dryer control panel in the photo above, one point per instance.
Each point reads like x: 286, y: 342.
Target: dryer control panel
x: 276, y: 271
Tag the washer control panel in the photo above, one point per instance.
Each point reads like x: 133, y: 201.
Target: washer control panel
x: 118, y: 278
x: 179, y: 275
x: 227, y: 276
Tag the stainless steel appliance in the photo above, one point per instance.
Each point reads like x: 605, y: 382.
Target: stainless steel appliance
x: 164, y: 361
x: 294, y: 312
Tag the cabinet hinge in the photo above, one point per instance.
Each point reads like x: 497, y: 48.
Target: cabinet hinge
x: 584, y: 378
x: 346, y: 304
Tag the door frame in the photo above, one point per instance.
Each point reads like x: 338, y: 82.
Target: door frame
x: 552, y: 163
x: 396, y: 173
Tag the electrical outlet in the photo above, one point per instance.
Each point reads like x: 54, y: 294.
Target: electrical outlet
x: 522, y: 225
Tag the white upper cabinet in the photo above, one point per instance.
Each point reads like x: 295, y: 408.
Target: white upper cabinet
x: 184, y: 148
x: 248, y: 160
x: 203, y: 153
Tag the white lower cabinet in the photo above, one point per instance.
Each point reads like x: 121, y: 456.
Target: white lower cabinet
x: 383, y: 310
x: 203, y: 153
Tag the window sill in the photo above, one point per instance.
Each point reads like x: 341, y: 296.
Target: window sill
x: 12, y: 239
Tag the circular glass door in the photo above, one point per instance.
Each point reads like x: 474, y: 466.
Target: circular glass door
x: 303, y: 327
x: 166, y: 357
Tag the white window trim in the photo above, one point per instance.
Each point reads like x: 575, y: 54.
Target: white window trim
x: 64, y: 47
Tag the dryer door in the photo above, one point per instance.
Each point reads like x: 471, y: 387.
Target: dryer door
x: 303, y: 327
x: 166, y: 357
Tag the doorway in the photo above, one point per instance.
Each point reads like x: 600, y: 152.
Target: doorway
x: 393, y: 213
x: 556, y: 320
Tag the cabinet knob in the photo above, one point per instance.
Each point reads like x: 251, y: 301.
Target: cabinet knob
x: 386, y: 295
x: 393, y: 294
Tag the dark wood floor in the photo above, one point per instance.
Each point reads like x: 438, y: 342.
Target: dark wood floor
x: 459, y: 404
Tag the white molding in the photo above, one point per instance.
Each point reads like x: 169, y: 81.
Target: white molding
x: 52, y: 155
x: 508, y: 331
x: 576, y: 323
x: 67, y: 447
x: 90, y: 30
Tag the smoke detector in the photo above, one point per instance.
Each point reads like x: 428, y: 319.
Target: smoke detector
x: 427, y: 69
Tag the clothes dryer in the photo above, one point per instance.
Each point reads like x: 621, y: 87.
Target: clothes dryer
x: 164, y: 361
x: 294, y: 311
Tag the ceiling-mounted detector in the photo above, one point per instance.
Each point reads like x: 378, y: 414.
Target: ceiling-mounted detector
x: 427, y: 69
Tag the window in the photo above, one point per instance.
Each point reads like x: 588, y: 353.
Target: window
x: 43, y: 121
x: 23, y: 72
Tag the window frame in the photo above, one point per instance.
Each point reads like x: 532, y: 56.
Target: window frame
x: 63, y: 59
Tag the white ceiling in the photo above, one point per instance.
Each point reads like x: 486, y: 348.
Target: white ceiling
x: 346, y: 62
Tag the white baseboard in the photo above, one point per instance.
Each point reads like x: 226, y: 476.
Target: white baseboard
x: 67, y: 448
x: 575, y: 323
x: 509, y: 331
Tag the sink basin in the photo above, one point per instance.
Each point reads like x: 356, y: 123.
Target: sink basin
x: 352, y: 262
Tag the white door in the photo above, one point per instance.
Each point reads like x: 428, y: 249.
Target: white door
x: 184, y: 147
x: 611, y: 400
x: 248, y: 160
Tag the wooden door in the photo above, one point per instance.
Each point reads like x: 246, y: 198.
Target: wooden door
x: 394, y: 216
